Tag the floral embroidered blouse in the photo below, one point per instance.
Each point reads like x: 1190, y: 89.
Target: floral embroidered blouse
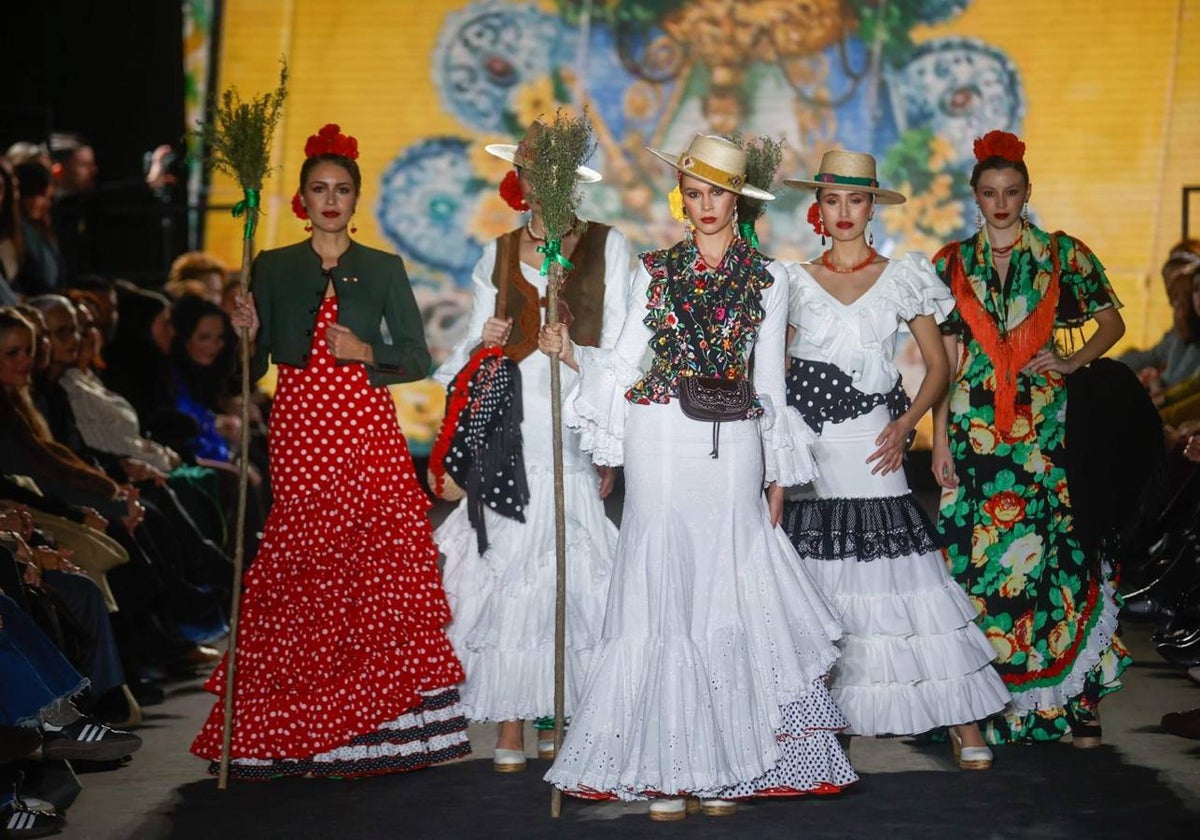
x: 704, y: 318
x: 686, y: 319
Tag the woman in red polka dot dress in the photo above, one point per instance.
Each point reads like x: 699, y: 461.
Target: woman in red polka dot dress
x: 343, y: 666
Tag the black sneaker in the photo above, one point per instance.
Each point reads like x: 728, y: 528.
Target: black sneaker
x: 87, y: 739
x: 19, y: 820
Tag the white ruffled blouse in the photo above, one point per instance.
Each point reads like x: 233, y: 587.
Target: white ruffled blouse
x: 596, y: 406
x: 860, y: 337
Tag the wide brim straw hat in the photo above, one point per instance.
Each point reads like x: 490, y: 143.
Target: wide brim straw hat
x: 520, y: 154
x: 716, y: 161
x: 843, y: 170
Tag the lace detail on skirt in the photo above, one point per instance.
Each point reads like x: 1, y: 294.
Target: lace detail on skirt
x: 858, y: 529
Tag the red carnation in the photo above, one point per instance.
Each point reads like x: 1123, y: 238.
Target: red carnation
x: 298, y: 207
x: 814, y: 219
x: 330, y: 141
x: 1000, y: 144
x: 511, y: 192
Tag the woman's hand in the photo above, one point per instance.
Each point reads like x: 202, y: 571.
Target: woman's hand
x: 892, y: 442
x: 229, y: 426
x: 345, y: 346
x: 775, y: 503
x: 1191, y: 449
x: 1049, y: 360
x: 139, y: 471
x: 134, y: 512
x: 245, y: 315
x: 17, y: 519
x: 496, y: 331
x: 943, y: 465
x: 51, y: 560
x: 608, y: 477
x: 92, y: 519
x: 555, y: 340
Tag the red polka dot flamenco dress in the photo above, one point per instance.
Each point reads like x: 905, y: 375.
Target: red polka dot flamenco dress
x: 343, y: 665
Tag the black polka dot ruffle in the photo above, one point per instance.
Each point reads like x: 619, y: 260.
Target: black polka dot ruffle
x: 822, y: 394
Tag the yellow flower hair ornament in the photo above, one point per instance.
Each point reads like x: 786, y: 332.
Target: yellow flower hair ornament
x: 675, y: 199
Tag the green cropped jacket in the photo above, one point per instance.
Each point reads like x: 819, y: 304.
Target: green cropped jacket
x: 372, y: 290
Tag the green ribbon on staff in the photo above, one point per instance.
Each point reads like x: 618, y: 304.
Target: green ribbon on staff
x: 746, y: 229
x: 249, y: 206
x: 553, y: 252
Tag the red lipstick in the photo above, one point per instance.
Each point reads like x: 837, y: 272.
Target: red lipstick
x: 844, y: 225
x: 708, y: 220
x: 330, y: 214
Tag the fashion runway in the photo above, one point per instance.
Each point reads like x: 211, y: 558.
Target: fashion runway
x: 1141, y: 783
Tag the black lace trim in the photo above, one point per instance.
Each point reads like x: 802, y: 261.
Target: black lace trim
x: 823, y: 393
x: 859, y: 529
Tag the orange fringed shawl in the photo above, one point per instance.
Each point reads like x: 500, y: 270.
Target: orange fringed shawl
x: 1008, y: 351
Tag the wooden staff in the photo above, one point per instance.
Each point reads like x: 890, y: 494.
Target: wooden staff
x: 243, y: 482
x: 559, y: 149
x: 560, y: 535
x: 237, y: 141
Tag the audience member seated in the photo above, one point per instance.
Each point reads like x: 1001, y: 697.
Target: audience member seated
x: 42, y: 268
x: 149, y: 588
x: 37, y: 685
x: 1176, y: 357
x: 196, y: 273
x: 11, y: 250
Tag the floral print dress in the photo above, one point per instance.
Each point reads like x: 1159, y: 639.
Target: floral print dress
x: 1049, y: 610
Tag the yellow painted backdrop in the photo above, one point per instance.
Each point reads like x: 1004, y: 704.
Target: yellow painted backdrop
x: 1111, y: 115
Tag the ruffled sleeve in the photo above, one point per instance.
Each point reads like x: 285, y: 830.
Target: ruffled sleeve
x: 1086, y: 289
x: 787, y: 457
x: 916, y: 289
x: 595, y: 405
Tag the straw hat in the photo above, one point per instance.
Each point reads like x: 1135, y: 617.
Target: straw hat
x: 716, y: 161
x: 842, y: 170
x: 520, y: 154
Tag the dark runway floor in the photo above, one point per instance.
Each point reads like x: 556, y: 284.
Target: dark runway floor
x: 1048, y: 791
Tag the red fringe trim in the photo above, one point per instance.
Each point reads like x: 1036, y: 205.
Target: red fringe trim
x: 458, y: 399
x: 1009, y: 352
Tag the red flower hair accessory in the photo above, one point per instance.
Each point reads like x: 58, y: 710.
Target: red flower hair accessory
x: 814, y: 219
x: 1000, y: 144
x: 330, y: 141
x: 511, y: 192
x: 298, y: 207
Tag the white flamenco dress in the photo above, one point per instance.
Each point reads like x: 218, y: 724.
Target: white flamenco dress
x: 912, y: 657
x: 709, y: 678
x: 502, y: 601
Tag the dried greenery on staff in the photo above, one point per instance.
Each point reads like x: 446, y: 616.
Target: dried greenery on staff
x: 763, y: 156
x: 238, y: 135
x: 563, y: 146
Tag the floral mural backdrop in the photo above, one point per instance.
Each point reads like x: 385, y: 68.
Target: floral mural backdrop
x: 871, y: 75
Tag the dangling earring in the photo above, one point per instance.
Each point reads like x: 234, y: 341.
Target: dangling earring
x: 353, y: 227
x: 735, y: 219
x: 824, y: 230
x: 308, y: 227
x: 1025, y: 212
x: 688, y: 227
x: 870, y: 235
x: 979, y: 219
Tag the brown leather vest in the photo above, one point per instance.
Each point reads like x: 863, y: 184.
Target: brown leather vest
x: 580, y: 302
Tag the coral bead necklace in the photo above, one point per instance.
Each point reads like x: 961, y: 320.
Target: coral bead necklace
x: 834, y: 267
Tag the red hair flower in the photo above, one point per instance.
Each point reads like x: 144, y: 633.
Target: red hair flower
x: 814, y: 219
x: 1000, y: 144
x: 330, y: 141
x: 298, y: 207
x: 511, y: 192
